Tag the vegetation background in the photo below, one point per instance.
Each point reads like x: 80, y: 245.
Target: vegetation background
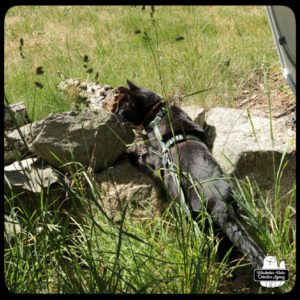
x: 172, y: 50
x: 176, y: 51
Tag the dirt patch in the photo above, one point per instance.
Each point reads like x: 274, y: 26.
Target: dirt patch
x: 254, y: 93
x: 10, y: 20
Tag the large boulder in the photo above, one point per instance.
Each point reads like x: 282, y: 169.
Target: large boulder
x: 244, y: 147
x: 123, y: 183
x: 94, y: 138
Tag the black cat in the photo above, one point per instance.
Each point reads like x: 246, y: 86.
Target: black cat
x: 142, y: 108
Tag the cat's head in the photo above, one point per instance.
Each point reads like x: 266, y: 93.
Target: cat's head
x: 135, y: 106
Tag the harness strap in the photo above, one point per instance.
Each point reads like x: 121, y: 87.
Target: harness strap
x: 168, y: 164
x: 183, y: 204
x: 179, y: 138
x: 154, y: 123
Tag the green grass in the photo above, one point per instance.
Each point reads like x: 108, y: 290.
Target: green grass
x: 65, y: 243
x: 222, y: 48
x: 77, y: 249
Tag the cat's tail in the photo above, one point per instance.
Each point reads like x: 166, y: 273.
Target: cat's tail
x: 238, y: 235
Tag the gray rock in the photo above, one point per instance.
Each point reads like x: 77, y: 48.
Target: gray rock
x: 243, y: 145
x: 14, y: 145
x: 123, y: 184
x: 196, y: 113
x: 93, y: 138
x: 31, y: 175
x: 15, y: 114
x: 13, y: 150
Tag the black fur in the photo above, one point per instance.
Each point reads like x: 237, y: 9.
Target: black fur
x: 195, y: 158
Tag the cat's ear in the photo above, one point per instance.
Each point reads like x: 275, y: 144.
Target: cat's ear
x: 132, y: 86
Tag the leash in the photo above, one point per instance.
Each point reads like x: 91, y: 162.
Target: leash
x: 168, y: 164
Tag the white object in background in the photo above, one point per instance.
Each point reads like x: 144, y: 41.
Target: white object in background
x: 283, y: 25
